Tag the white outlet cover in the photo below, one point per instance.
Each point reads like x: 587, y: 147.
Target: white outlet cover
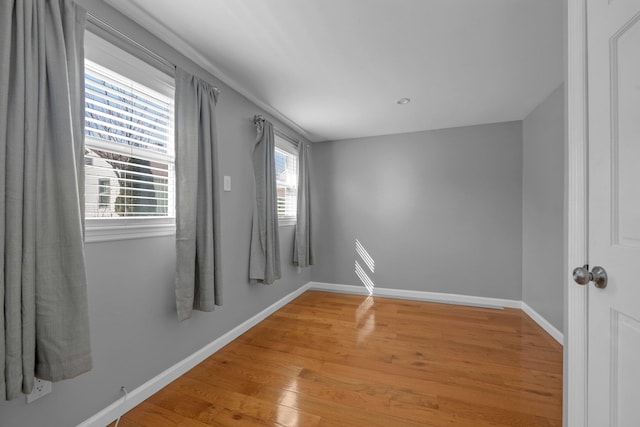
x: 40, y: 388
x: 227, y: 183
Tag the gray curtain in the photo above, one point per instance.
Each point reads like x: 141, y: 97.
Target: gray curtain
x: 264, y: 261
x: 198, y: 272
x: 302, y: 243
x: 44, y: 327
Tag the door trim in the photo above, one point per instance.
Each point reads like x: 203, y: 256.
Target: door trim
x: 576, y: 215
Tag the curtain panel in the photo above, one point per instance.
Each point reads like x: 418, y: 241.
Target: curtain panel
x: 302, y: 244
x: 264, y: 257
x: 198, y: 268
x: 44, y: 329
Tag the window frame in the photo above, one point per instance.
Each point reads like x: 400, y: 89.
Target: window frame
x: 104, y: 53
x: 283, y: 143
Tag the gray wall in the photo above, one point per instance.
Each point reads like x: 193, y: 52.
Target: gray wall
x: 543, y: 209
x: 438, y: 211
x: 134, y: 331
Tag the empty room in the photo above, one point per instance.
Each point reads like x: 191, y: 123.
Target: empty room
x: 319, y: 213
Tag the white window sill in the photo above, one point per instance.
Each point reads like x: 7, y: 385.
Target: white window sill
x: 105, y: 230
x: 286, y: 222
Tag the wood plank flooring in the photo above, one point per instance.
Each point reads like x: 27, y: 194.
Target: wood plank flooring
x: 331, y: 359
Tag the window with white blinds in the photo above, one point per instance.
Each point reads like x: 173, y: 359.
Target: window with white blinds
x: 286, y: 159
x: 129, y: 147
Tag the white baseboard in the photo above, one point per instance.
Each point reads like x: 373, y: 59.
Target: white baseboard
x: 419, y: 295
x: 446, y: 299
x: 543, y: 323
x: 146, y: 390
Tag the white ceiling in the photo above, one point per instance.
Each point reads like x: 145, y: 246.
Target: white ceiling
x: 333, y: 69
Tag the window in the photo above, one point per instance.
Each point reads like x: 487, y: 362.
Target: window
x: 286, y: 159
x: 129, y: 147
x: 104, y: 193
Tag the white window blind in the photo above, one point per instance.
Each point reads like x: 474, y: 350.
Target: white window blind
x: 286, y: 159
x: 129, y: 147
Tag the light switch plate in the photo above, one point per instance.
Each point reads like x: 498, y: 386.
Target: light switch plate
x: 227, y: 183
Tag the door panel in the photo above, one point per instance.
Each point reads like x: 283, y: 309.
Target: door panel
x: 625, y: 370
x: 625, y: 103
x: 613, y: 43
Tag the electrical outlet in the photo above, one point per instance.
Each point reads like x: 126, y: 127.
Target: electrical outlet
x: 40, y: 388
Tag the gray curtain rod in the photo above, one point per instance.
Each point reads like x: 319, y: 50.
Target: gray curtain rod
x: 104, y: 27
x: 110, y: 31
x: 258, y: 118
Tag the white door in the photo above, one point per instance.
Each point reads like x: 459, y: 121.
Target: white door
x: 613, y: 46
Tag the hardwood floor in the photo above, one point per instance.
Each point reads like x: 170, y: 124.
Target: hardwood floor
x: 331, y: 359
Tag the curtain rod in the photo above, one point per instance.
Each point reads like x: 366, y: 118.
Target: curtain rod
x: 118, y: 35
x: 114, y: 32
x: 260, y: 118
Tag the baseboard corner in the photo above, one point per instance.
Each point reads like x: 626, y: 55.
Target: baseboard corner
x: 543, y: 323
